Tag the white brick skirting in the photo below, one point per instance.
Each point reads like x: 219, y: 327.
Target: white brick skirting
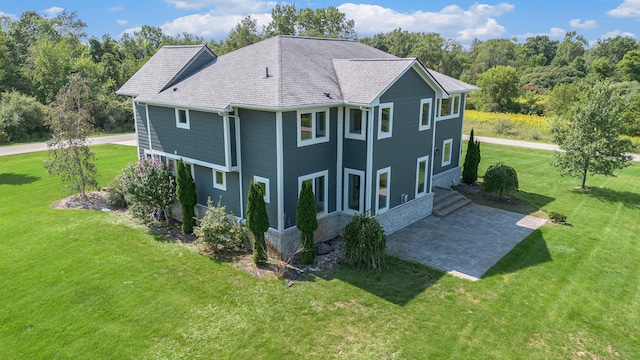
x: 445, y: 179
x: 406, y: 214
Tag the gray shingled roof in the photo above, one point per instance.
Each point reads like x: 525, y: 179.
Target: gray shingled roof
x: 302, y: 72
x: 450, y: 84
x: 159, y: 70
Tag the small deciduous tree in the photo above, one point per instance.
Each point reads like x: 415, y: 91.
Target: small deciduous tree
x: 186, y: 192
x: 69, y: 154
x: 307, y: 222
x: 590, y: 139
x: 257, y: 222
x: 471, y: 161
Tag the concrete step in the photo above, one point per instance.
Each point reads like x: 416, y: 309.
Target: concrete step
x: 446, y: 201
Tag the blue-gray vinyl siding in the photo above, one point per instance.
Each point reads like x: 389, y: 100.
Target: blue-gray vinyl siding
x: 305, y: 160
x: 407, y: 143
x: 259, y: 155
x: 140, y: 117
x: 204, y: 140
x: 449, y: 129
x: 205, y: 190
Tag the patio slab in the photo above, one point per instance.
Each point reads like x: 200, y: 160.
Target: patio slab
x: 466, y: 243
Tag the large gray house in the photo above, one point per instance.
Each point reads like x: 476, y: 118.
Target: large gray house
x: 370, y: 131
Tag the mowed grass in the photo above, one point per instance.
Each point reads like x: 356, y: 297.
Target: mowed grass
x: 88, y: 284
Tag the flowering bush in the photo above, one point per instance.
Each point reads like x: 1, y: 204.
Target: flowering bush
x: 149, y: 188
x: 219, y: 229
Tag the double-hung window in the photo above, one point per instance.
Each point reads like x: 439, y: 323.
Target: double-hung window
x: 356, y: 120
x: 313, y: 126
x: 425, y: 114
x: 182, y: 118
x: 320, y: 187
x: 383, y: 180
x: 385, y: 121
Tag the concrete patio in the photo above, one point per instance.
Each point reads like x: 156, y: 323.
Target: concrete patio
x: 466, y: 243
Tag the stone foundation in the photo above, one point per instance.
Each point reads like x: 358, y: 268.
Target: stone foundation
x: 406, y: 214
x: 445, y: 179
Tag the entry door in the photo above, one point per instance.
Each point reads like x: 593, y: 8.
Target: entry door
x: 353, y: 191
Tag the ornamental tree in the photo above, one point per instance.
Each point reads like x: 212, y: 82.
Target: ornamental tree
x: 589, y: 139
x: 307, y: 222
x: 257, y: 222
x: 186, y: 192
x: 471, y: 161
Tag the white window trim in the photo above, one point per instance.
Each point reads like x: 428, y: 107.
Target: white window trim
x: 454, y: 111
x: 313, y: 176
x: 382, y: 135
x: 444, y: 144
x: 382, y: 210
x: 355, y: 136
x: 425, y: 191
x: 428, y: 126
x: 314, y: 139
x: 265, y: 181
x: 345, y: 199
x: 216, y: 184
x: 178, y: 123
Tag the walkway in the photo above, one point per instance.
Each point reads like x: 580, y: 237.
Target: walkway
x: 525, y: 144
x: 122, y: 139
x: 453, y: 244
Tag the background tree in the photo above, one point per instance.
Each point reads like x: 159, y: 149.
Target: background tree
x: 500, y: 87
x: 629, y: 67
x: 307, y: 223
x: 69, y: 154
x: 569, y: 49
x: 257, y: 222
x: 186, y: 192
x: 22, y: 117
x: 471, y: 161
x: 590, y: 139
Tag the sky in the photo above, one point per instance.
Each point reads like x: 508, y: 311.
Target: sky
x: 460, y: 20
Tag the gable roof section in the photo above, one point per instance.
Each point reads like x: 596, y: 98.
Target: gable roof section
x: 450, y: 84
x: 302, y: 72
x: 167, y: 65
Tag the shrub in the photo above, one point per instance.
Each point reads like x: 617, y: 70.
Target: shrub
x: 22, y: 117
x: 307, y: 223
x: 500, y: 179
x: 186, y: 192
x: 364, y: 242
x: 257, y: 222
x: 557, y: 217
x: 219, y: 229
x: 116, y: 195
x: 150, y: 189
x: 502, y: 126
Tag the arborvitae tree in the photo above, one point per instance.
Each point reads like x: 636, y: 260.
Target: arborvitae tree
x: 186, y: 192
x: 471, y: 161
x: 257, y: 222
x: 307, y: 222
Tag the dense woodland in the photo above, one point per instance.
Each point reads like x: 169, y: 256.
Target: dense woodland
x: 537, y: 75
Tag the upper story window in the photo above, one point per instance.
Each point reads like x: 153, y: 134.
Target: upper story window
x: 449, y: 107
x: 385, y: 121
x: 356, y: 120
x: 182, y: 118
x: 313, y: 126
x: 425, y: 114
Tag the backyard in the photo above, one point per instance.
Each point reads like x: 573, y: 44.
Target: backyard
x: 92, y: 284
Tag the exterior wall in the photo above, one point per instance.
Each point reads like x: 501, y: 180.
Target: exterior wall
x: 406, y: 214
x: 204, y: 140
x: 407, y: 143
x: 140, y: 116
x: 449, y: 129
x: 204, y: 189
x: 304, y: 160
x: 259, y: 157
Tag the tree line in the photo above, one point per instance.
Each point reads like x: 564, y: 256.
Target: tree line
x: 39, y: 56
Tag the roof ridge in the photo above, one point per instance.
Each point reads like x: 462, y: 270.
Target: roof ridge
x: 279, y: 62
x: 315, y: 38
x: 183, y: 46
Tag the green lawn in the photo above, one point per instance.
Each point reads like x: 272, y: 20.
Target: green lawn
x: 80, y: 284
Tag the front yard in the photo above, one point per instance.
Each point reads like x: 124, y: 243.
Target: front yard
x: 89, y: 284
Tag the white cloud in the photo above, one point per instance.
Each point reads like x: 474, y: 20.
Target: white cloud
x: 628, y: 9
x: 53, y: 11
x: 116, y: 8
x: 130, y: 31
x: 225, y: 7
x: 553, y: 33
x: 122, y: 22
x: 210, y: 25
x: 478, y: 21
x: 10, y: 16
x: 587, y: 24
x: 612, y: 34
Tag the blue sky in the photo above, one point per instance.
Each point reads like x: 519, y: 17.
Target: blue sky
x: 460, y: 20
